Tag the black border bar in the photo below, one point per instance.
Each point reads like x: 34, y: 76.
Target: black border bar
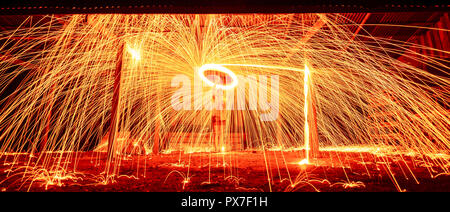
x: 35, y: 7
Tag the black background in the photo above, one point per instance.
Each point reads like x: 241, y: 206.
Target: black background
x: 215, y: 6
x: 278, y: 202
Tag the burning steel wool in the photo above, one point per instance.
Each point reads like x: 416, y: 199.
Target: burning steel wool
x: 215, y: 100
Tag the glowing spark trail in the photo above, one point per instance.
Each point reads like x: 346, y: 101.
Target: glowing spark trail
x: 220, y: 68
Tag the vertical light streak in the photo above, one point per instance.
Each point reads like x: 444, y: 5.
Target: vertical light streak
x: 305, y: 111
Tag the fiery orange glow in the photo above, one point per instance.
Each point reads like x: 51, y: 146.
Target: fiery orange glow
x: 373, y: 111
x: 303, y: 162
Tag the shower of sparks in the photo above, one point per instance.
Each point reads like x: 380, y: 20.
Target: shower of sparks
x: 366, y: 100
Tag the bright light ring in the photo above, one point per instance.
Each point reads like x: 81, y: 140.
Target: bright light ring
x: 219, y: 68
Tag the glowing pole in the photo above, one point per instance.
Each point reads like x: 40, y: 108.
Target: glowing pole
x: 218, y: 121
x: 115, y: 104
x: 310, y: 133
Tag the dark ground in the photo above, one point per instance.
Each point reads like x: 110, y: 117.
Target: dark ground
x: 243, y: 171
